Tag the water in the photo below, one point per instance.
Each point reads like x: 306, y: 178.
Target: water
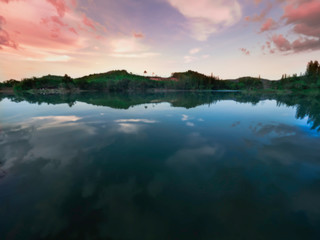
x: 160, y: 166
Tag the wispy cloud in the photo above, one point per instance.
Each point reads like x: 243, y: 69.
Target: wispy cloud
x: 268, y: 25
x: 189, y: 59
x: 245, y: 51
x: 260, y: 17
x: 190, y: 124
x: 184, y: 117
x: 206, y: 17
x: 131, y: 47
x: 129, y: 128
x: 138, y: 35
x: 194, y: 51
x: 54, y: 121
x: 135, y: 121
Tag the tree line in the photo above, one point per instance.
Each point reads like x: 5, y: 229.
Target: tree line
x: 121, y: 80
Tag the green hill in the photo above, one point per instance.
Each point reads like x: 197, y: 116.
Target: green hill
x: 121, y: 80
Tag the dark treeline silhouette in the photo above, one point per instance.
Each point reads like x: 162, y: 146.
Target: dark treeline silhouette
x: 121, y: 80
x: 116, y: 81
x: 310, y: 80
x: 313, y: 68
x: 9, y: 83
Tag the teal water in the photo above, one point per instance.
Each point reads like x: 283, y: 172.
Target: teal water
x: 160, y: 166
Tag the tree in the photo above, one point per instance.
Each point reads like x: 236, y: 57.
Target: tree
x: 67, y: 81
x: 313, y: 68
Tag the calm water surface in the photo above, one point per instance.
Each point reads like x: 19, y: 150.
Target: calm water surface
x: 159, y: 166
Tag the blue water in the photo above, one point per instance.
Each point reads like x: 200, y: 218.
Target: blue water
x: 165, y: 168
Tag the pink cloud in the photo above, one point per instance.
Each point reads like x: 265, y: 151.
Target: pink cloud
x: 88, y: 22
x: 307, y: 30
x: 281, y: 42
x: 306, y: 12
x: 58, y: 21
x: 260, y: 17
x: 60, y: 6
x: 2, y: 21
x: 50, y: 34
x: 138, y: 35
x: 54, y: 37
x: 74, y: 3
x: 54, y: 19
x: 268, y: 25
x: 303, y: 17
x: 55, y: 29
x: 5, y: 39
x: 268, y: 44
x: 257, y: 1
x: 71, y: 29
x: 302, y: 44
x: 305, y: 44
x: 245, y: 51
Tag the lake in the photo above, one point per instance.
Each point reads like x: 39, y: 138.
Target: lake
x: 184, y: 165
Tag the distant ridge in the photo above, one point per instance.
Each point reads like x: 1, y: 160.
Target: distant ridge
x: 121, y: 80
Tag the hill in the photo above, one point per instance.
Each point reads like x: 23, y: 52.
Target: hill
x: 121, y: 80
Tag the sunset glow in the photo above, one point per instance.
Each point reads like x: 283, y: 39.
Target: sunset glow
x: 229, y: 38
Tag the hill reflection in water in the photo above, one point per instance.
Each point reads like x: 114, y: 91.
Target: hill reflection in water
x: 306, y: 105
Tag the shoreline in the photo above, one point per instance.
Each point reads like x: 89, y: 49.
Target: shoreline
x: 7, y: 90
x: 62, y: 91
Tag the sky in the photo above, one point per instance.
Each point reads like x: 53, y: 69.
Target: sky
x: 226, y: 38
